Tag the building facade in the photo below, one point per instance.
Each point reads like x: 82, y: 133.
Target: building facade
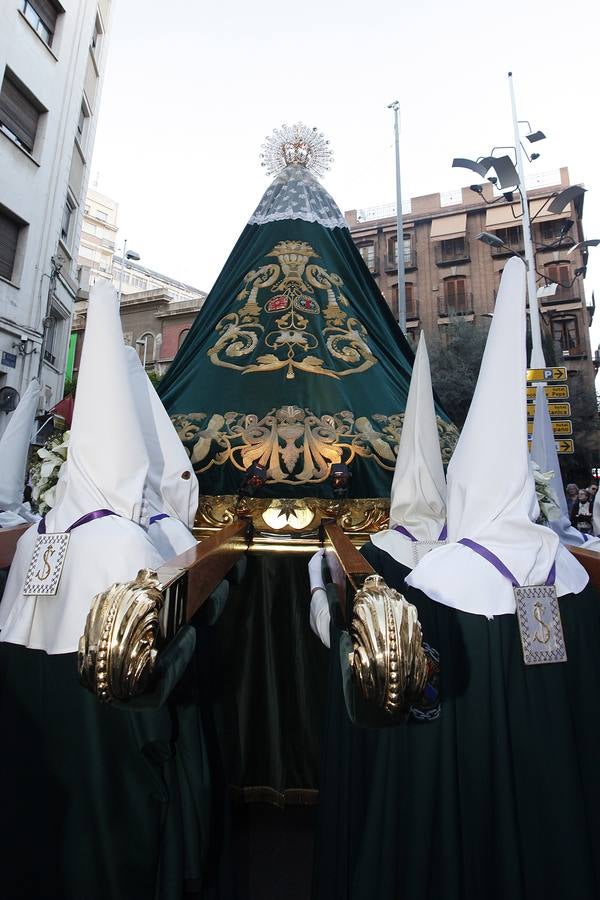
x: 98, y: 238
x: 52, y: 59
x: 153, y: 322
x: 156, y: 311
x: 450, y: 273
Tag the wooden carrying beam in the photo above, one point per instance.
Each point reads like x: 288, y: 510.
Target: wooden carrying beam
x: 347, y: 566
x: 190, y: 578
x: 8, y: 544
x: 590, y: 560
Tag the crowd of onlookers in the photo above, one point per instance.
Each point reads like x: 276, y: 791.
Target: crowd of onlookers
x: 580, y: 503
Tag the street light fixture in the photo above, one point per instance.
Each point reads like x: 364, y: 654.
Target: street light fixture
x: 460, y: 162
x: 572, y: 193
x: 583, y: 245
x: 492, y: 240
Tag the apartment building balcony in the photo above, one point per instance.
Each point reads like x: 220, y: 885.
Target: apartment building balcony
x: 410, y: 261
x: 452, y: 252
x: 455, y: 306
x: 564, y: 294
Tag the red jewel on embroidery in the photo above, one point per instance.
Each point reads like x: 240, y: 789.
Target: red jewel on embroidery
x: 277, y: 304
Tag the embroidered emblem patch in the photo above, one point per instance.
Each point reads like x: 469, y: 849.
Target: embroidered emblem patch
x: 540, y: 625
x: 45, y: 568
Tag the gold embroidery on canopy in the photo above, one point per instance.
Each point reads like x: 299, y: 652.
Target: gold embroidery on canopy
x: 295, y: 444
x: 283, y: 306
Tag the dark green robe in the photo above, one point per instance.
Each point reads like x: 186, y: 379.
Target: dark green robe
x: 110, y: 802
x: 499, y: 798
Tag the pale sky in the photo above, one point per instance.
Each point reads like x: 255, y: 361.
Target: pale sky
x: 194, y: 86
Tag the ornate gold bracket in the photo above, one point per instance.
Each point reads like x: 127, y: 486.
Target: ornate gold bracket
x: 129, y: 623
x: 388, y: 659
x: 292, y: 525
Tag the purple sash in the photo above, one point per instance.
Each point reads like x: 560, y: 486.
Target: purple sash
x: 157, y: 518
x: 499, y: 565
x: 402, y: 530
x: 89, y: 517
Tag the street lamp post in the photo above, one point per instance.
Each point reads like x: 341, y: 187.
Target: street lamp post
x: 537, y: 360
x: 127, y: 254
x: 399, y: 229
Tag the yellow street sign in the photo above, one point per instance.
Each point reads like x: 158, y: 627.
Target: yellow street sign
x: 552, y: 391
x: 560, y: 427
x: 558, y: 373
x: 555, y: 409
x: 565, y: 446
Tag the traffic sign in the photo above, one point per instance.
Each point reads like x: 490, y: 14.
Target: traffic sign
x: 565, y: 446
x: 552, y: 391
x: 560, y: 427
x: 557, y: 373
x: 555, y: 409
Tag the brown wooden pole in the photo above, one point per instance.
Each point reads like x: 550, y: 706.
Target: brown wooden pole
x: 347, y: 566
x: 190, y: 578
x: 590, y: 560
x: 8, y: 543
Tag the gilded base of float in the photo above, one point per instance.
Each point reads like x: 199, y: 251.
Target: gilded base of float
x: 292, y: 526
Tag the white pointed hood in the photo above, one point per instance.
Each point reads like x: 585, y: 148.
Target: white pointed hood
x: 490, y: 488
x: 171, y: 486
x: 418, y: 500
x: 543, y: 452
x: 14, y: 447
x: 107, y: 459
x: 106, y: 469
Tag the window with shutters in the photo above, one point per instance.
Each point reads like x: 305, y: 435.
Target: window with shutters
x: 412, y: 308
x: 42, y: 16
x: 456, y: 300
x: 560, y: 273
x: 10, y: 230
x: 19, y: 112
x: 565, y: 332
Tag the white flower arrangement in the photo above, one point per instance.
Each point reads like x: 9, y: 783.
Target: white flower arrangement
x: 45, y: 473
x: 547, y: 499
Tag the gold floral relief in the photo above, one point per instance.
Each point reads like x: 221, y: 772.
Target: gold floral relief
x: 296, y: 445
x: 291, y: 316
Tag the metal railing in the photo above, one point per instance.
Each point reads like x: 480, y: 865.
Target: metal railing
x: 451, y: 251
x: 410, y: 260
x: 456, y: 306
